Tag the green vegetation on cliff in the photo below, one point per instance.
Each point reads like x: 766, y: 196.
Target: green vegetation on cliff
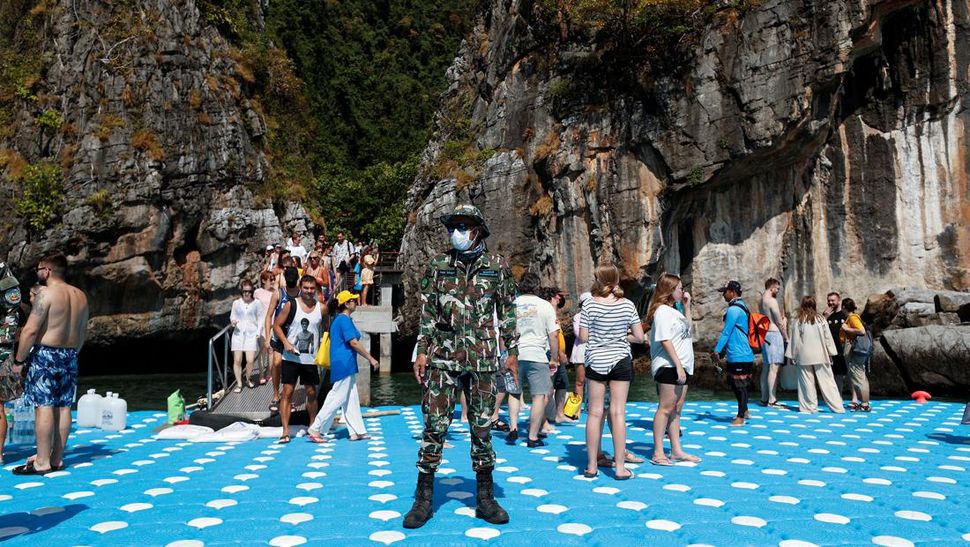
x: 349, y: 89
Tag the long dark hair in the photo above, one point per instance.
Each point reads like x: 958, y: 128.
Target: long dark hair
x: 808, y: 311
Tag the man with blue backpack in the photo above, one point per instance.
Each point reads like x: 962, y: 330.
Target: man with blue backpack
x: 733, y: 344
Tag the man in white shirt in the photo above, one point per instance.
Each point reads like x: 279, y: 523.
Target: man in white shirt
x: 297, y: 250
x: 538, y: 331
x: 341, y: 254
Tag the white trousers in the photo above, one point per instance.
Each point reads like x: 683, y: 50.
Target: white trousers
x: 807, y: 398
x: 343, y: 396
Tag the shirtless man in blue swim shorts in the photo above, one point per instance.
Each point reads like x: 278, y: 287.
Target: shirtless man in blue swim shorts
x: 50, y: 341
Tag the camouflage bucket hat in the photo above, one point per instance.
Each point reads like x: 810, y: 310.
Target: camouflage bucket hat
x: 470, y: 211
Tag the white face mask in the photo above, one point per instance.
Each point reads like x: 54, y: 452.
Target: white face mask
x: 461, y: 240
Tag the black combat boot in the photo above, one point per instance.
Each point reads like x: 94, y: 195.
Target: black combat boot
x: 421, y: 512
x: 487, y: 508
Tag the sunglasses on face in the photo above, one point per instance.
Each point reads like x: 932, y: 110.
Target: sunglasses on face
x: 460, y: 227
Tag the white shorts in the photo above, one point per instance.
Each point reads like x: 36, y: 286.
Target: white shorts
x: 242, y: 341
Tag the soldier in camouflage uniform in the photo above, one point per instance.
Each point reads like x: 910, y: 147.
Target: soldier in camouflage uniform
x: 461, y: 292
x: 11, y: 378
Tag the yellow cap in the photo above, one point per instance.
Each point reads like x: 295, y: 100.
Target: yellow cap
x: 344, y: 296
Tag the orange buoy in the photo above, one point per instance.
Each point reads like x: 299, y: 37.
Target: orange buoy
x: 921, y: 396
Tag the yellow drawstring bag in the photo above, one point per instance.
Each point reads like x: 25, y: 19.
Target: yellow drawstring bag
x: 323, y: 354
x: 572, y: 407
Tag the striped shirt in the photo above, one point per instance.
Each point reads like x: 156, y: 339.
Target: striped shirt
x: 608, y: 325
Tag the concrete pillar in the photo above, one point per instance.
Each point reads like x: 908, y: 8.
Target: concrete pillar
x: 363, y: 374
x: 387, y: 293
x: 385, y: 353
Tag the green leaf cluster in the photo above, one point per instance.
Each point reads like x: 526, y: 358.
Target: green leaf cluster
x: 41, y: 196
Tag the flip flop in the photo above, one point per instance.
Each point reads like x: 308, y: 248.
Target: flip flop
x: 363, y: 437
x: 283, y: 440
x: 665, y: 461
x: 500, y: 425
x: 262, y: 381
x: 237, y: 390
x: 630, y: 457
x: 28, y: 469
x: 589, y: 475
x: 274, y: 406
x: 626, y: 477
x: 250, y: 385
x: 688, y: 458
x: 315, y: 438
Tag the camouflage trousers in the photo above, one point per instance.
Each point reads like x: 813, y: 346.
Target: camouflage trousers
x: 438, y: 405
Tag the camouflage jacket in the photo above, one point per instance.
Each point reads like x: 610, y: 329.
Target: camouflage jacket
x: 459, y: 306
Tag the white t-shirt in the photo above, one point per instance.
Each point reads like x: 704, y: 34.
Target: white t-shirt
x: 298, y: 251
x: 670, y: 324
x: 579, y: 348
x: 608, y: 324
x: 304, y: 334
x: 535, y: 320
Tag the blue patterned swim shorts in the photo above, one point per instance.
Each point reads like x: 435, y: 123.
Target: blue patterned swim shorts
x: 52, y: 377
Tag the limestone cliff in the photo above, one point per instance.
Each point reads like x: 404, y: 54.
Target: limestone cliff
x: 823, y: 143
x: 147, y: 116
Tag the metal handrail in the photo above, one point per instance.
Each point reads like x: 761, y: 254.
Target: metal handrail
x: 213, y: 359
x: 223, y: 369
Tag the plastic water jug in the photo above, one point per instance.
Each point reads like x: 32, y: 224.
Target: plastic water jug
x: 89, y: 410
x: 114, y: 413
x: 23, y: 423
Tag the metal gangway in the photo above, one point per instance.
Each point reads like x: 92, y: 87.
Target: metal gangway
x: 250, y: 404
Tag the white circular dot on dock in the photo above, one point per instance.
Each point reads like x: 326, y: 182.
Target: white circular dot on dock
x: 663, y: 525
x: 186, y: 543
x: 108, y: 526
x: 221, y: 503
x: 745, y: 485
x: 204, y: 522
x: 709, y: 502
x: 831, y: 518
x: 796, y: 543
x: 632, y: 505
x: 235, y: 488
x: 788, y: 500
x: 552, y: 508
x: 296, y: 518
x: 76, y: 495
x: 384, y: 515
x: 929, y: 495
x: 680, y: 487
x: 287, y: 541
x: 913, y: 515
x: 134, y: 507
x: 574, y: 528
x: 755, y: 522
x: 465, y: 512
x: 857, y: 497
x: 387, y: 537
x: 892, y: 541
x: 382, y: 498
x: 482, y: 533
x: 535, y: 492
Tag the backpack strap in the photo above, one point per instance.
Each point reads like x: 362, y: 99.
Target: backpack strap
x: 746, y: 313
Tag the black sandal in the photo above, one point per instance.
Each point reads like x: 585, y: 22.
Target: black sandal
x: 274, y: 406
x: 29, y: 469
x: 499, y: 425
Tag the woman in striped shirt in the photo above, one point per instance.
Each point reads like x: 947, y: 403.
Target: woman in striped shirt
x: 608, y: 324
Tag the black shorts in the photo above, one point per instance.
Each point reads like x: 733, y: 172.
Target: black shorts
x: 308, y: 374
x: 668, y: 375
x: 739, y: 369
x: 343, y: 267
x: 560, y: 380
x: 621, y: 372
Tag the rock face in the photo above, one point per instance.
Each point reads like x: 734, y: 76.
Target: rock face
x: 822, y: 143
x: 160, y: 147
x: 934, y: 357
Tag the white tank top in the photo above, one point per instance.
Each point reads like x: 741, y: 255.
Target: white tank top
x: 304, y: 334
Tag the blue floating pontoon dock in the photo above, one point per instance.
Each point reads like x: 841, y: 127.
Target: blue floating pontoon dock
x: 897, y: 476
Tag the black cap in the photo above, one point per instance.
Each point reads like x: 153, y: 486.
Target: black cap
x: 731, y: 286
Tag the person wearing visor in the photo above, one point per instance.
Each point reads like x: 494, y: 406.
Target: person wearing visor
x: 462, y: 292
